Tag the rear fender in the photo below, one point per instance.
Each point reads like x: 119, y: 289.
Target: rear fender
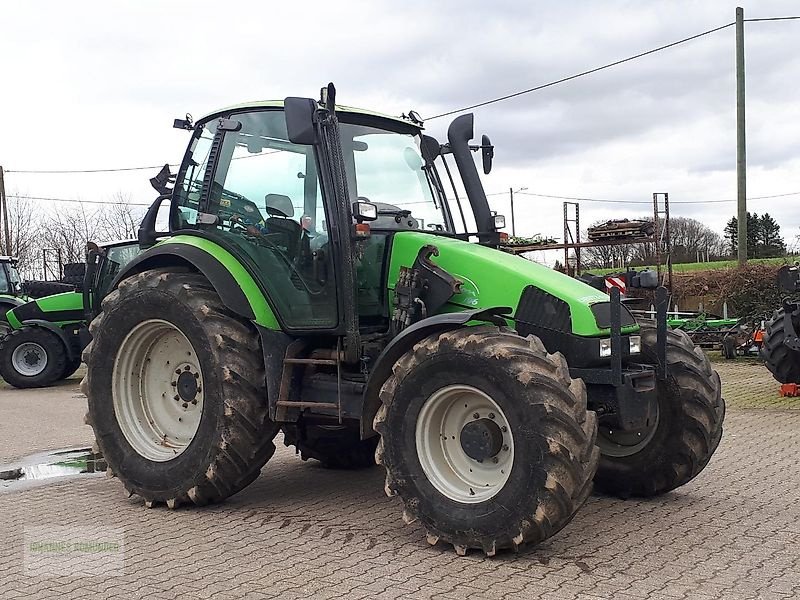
x: 406, y: 340
x: 219, y: 276
x: 59, y: 333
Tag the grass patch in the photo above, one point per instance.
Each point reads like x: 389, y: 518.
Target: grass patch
x: 701, y: 266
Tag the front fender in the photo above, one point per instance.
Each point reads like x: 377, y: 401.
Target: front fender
x: 406, y: 340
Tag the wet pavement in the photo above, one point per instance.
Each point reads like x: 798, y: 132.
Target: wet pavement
x: 301, y: 531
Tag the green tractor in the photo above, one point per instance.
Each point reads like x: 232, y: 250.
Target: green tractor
x: 44, y: 338
x: 781, y: 346
x: 11, y: 290
x: 316, y: 278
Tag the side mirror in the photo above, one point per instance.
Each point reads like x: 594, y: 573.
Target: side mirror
x: 148, y: 234
x: 299, y: 113
x: 364, y: 211
x: 431, y: 148
x: 487, y: 154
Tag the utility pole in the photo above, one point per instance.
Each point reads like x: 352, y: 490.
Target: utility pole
x: 741, y: 158
x: 6, y: 246
x: 513, y: 230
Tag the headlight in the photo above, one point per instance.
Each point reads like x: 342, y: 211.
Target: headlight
x: 635, y: 342
x: 605, y: 348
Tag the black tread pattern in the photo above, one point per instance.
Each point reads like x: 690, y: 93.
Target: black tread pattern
x: 560, y: 401
x: 56, y: 357
x: 782, y: 361
x: 694, y: 392
x: 341, y: 450
x: 244, y: 444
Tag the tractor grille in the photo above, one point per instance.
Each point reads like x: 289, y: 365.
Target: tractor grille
x: 537, y: 308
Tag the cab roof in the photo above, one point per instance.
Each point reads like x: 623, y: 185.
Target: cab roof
x: 339, y: 108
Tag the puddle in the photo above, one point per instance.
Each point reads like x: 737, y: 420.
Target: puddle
x: 38, y: 468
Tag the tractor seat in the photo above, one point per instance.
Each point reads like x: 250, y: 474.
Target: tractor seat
x: 280, y: 222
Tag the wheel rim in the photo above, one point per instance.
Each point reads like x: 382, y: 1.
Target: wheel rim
x: 29, y: 359
x: 464, y: 444
x: 157, y: 389
x: 619, y: 443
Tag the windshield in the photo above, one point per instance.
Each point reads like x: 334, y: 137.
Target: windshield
x: 386, y: 168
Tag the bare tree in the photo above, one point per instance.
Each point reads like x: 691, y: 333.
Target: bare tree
x: 120, y: 220
x: 24, y: 231
x: 68, y: 231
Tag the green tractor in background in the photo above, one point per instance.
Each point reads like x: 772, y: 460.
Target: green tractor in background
x: 781, y: 348
x: 311, y: 275
x: 12, y: 293
x: 44, y: 338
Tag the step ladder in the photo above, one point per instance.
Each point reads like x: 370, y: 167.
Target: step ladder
x: 290, y: 361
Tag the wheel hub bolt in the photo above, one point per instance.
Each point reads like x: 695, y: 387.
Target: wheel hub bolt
x: 491, y: 415
x: 476, y: 416
x: 187, y: 368
x: 494, y: 459
x: 505, y: 448
x: 174, y: 383
x: 504, y: 429
x: 177, y: 371
x: 197, y: 375
x: 176, y: 397
x: 185, y: 405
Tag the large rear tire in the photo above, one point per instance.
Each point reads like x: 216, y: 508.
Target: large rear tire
x: 176, y: 391
x: 782, y: 361
x: 486, y: 438
x: 684, y: 434
x: 32, y: 357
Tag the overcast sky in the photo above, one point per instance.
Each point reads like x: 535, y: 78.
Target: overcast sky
x: 96, y: 85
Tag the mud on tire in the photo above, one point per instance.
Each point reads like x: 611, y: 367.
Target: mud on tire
x: 554, y: 456
x: 234, y: 436
x: 688, y: 430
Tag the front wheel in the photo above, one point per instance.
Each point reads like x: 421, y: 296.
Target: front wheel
x: 682, y: 436
x: 32, y: 357
x: 486, y: 438
x: 176, y: 391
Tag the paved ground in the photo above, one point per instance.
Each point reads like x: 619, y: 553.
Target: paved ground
x: 303, y: 532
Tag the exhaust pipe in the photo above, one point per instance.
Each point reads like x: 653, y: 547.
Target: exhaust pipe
x: 459, y: 134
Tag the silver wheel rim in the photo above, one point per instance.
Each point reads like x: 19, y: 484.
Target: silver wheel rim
x: 448, y: 467
x: 156, y: 405
x: 619, y: 443
x: 29, y: 359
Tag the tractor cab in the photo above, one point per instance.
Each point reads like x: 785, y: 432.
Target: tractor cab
x: 10, y: 280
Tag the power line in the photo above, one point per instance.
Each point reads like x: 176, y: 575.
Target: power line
x: 581, y: 74
x: 21, y: 197
x: 772, y: 19
x: 601, y: 200
x: 60, y: 172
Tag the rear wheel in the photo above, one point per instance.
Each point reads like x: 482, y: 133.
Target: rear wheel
x: 729, y: 348
x: 486, y: 438
x: 682, y: 437
x: 176, y: 391
x: 782, y: 361
x: 31, y: 357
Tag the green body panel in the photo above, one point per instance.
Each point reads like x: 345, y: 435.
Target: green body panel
x: 495, y: 278
x: 258, y: 303
x: 51, y: 305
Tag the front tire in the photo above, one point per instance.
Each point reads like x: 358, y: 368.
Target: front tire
x: 486, y: 438
x: 176, y: 391
x: 31, y: 357
x: 686, y: 431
